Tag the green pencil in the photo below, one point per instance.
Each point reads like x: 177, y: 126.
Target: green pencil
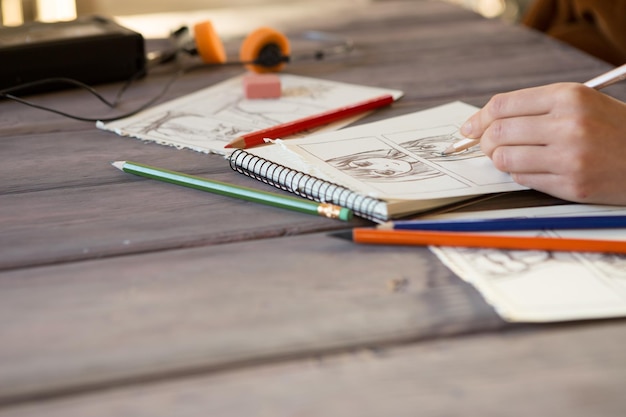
x: 230, y: 190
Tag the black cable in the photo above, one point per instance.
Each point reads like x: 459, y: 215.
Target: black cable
x: 6, y: 93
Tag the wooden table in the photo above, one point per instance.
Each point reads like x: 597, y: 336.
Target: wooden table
x: 124, y: 296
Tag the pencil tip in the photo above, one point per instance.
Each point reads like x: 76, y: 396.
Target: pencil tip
x: 239, y: 142
x: 343, y: 234
x: 118, y: 164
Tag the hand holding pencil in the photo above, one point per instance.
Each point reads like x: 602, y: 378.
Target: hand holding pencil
x: 565, y: 139
x: 473, y: 135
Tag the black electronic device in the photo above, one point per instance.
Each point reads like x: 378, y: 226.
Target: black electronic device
x: 89, y: 49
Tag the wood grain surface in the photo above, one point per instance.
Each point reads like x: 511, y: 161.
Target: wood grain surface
x: 126, y: 296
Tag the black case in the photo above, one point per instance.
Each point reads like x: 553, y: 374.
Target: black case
x: 90, y: 49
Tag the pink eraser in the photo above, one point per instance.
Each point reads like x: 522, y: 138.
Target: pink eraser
x: 261, y: 85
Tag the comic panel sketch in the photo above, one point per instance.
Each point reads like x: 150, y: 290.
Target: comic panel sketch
x: 467, y: 166
x: 538, y: 285
x: 381, y: 166
x: 610, y: 267
x: 503, y: 265
x: 225, y: 115
x: 511, y: 264
x: 211, y: 118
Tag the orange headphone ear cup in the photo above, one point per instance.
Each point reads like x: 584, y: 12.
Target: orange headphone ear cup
x: 256, y: 41
x: 209, y: 45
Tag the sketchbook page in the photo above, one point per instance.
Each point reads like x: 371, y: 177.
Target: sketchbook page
x: 399, y: 158
x: 545, y: 286
x: 209, y: 119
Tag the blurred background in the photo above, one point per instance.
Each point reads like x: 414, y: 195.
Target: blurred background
x: 136, y: 12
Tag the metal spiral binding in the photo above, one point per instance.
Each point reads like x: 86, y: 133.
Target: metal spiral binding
x: 305, y: 185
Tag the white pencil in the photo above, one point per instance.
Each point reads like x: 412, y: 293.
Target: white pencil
x: 608, y: 78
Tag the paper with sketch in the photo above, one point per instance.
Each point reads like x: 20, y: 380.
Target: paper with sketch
x: 544, y: 286
x: 398, y: 160
x: 209, y: 119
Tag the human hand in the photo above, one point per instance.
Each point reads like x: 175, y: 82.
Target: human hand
x: 564, y: 139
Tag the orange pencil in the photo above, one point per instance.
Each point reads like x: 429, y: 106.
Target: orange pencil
x: 479, y: 240
x: 258, y: 138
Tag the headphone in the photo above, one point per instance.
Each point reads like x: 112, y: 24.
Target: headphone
x: 264, y: 50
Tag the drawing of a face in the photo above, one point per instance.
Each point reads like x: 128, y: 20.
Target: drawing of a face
x: 610, y: 264
x: 432, y: 147
x: 381, y: 166
x: 507, y: 263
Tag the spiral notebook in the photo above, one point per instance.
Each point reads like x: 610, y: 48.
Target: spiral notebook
x: 382, y: 170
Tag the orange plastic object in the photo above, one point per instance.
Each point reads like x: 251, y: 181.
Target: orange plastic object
x: 261, y: 86
x: 254, y: 43
x: 209, y: 45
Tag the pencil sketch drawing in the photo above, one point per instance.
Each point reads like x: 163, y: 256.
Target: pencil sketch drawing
x: 431, y: 142
x: 406, y: 162
x: 538, y: 285
x: 382, y: 165
x: 407, y: 156
x: 209, y: 119
x: 233, y: 117
x: 505, y: 264
x: 610, y: 265
x: 497, y: 263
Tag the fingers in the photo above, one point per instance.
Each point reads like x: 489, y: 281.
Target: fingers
x: 553, y: 170
x: 545, y: 182
x: 540, y: 130
x: 524, y: 159
x: 564, y: 139
x: 520, y: 103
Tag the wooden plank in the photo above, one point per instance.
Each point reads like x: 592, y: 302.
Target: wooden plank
x: 94, y: 324
x: 58, y: 206
x: 91, y: 222
x: 173, y: 285
x: 63, y: 160
x: 553, y: 370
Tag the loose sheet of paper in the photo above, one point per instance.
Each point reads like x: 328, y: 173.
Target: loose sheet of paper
x: 209, y: 119
x: 544, y: 286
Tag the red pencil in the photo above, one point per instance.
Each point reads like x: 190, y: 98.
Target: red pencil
x: 423, y: 238
x: 258, y: 138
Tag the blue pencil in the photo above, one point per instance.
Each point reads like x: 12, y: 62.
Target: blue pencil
x: 511, y: 223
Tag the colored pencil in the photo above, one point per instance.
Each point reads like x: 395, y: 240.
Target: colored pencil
x: 513, y: 223
x: 478, y: 240
x: 608, y: 78
x: 282, y: 130
x: 604, y: 80
x: 231, y: 190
